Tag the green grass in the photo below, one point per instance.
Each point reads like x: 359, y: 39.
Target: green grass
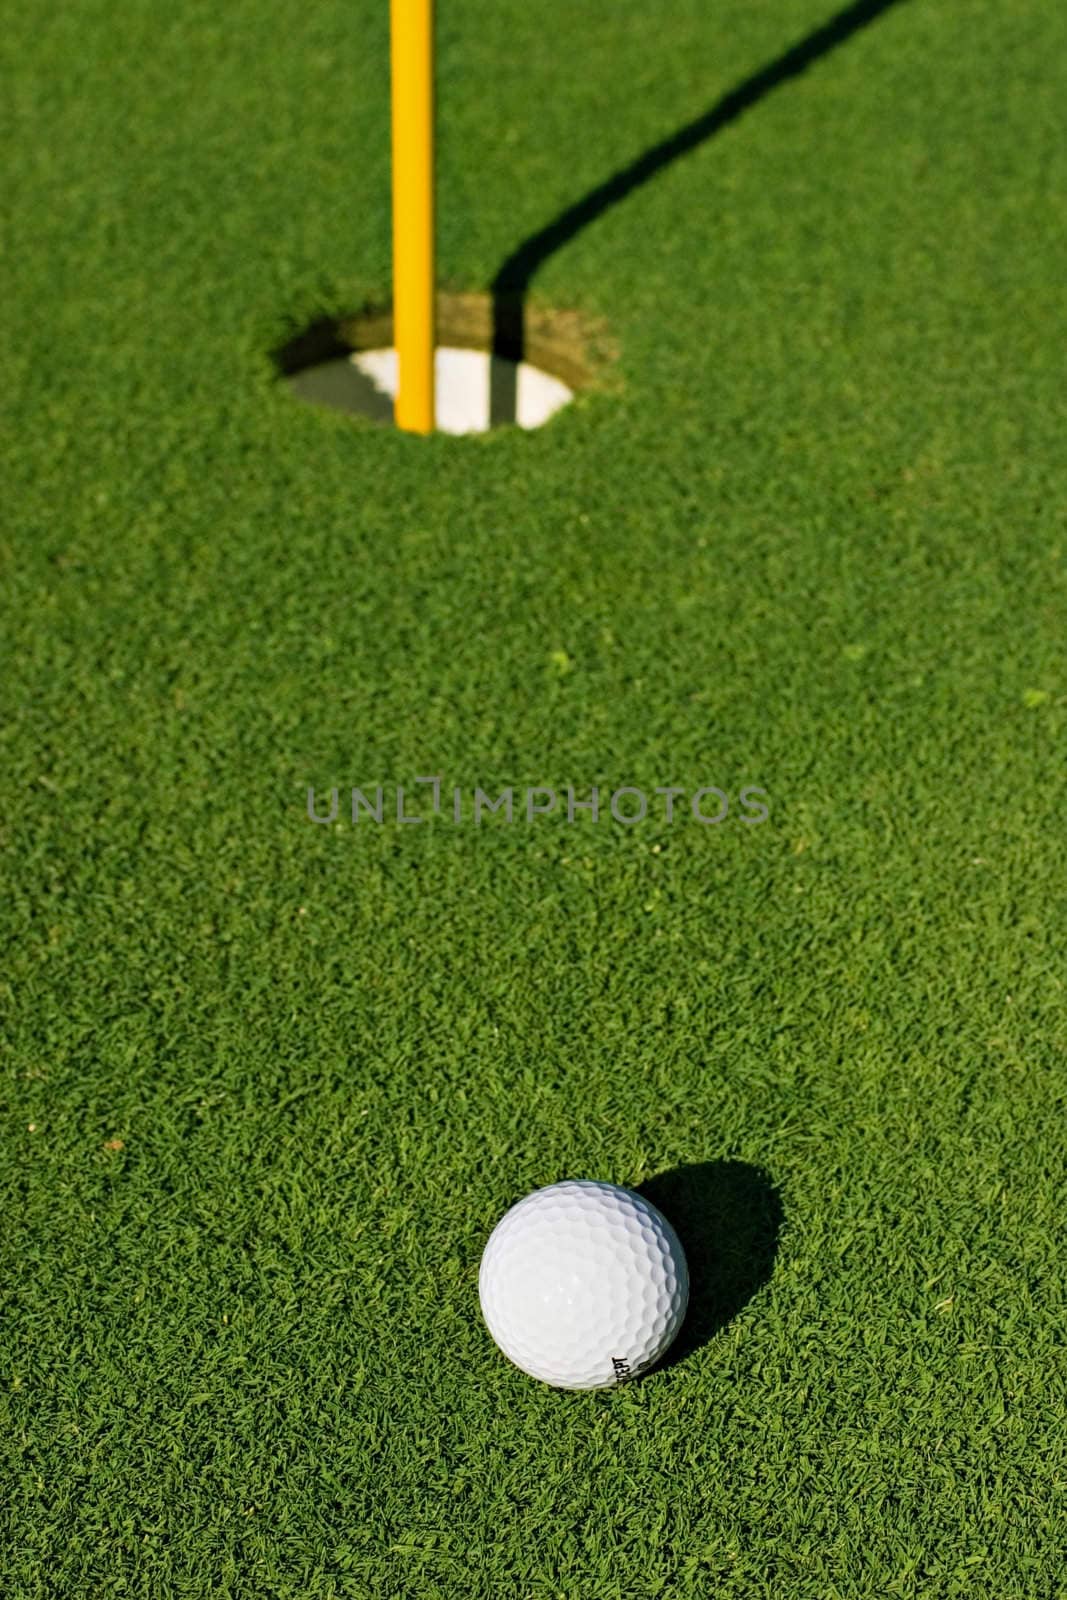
x: 816, y: 542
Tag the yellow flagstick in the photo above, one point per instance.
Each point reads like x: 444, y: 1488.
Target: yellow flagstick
x: 411, y: 49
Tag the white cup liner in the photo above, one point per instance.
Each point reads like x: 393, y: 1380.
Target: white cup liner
x: 473, y: 390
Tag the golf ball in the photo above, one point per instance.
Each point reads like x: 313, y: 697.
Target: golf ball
x: 583, y: 1284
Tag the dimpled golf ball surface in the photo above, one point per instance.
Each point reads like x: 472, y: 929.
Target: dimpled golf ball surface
x: 583, y: 1284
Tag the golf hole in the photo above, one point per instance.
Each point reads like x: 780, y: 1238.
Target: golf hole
x: 497, y: 363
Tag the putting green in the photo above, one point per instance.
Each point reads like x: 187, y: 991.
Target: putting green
x: 268, y: 1081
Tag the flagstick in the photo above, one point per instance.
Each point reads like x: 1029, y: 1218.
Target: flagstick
x: 411, y: 50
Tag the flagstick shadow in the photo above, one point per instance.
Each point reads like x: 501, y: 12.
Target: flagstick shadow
x: 511, y: 284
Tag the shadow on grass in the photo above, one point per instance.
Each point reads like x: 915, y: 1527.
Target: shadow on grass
x: 728, y: 1216
x: 511, y: 283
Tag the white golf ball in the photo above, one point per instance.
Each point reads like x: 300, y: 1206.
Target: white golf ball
x: 583, y: 1284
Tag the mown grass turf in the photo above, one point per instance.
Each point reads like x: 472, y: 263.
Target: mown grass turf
x: 268, y: 1084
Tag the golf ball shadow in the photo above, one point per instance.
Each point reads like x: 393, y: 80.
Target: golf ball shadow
x: 728, y: 1216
